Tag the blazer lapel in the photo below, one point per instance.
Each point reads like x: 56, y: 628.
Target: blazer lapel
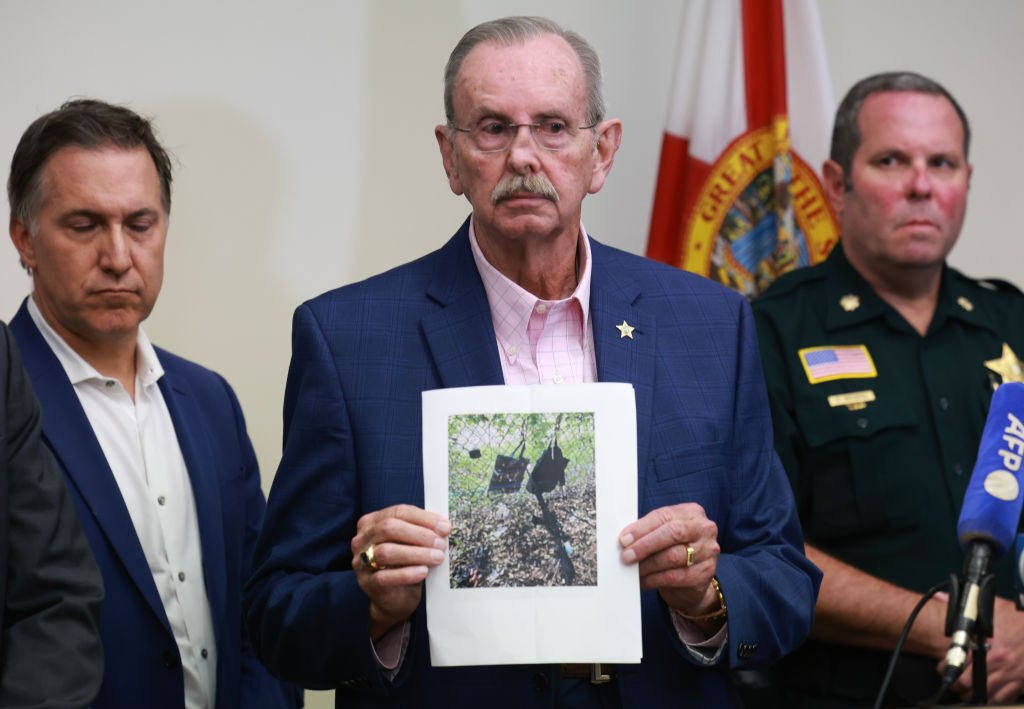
x: 460, y: 334
x: 192, y: 433
x: 69, y: 434
x: 623, y: 355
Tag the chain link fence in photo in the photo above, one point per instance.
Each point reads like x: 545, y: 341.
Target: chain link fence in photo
x: 522, y: 500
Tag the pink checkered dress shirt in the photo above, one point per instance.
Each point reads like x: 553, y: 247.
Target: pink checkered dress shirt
x: 541, y: 341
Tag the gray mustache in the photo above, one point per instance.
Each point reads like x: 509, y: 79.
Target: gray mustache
x: 535, y: 184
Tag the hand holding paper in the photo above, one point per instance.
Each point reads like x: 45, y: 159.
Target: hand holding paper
x: 403, y: 542
x: 661, y: 542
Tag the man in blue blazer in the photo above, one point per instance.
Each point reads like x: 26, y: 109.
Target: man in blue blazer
x: 520, y: 294
x: 153, y: 447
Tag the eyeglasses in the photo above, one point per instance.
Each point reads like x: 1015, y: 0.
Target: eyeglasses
x: 493, y: 136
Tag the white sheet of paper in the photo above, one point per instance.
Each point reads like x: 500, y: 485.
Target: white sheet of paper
x: 517, y: 624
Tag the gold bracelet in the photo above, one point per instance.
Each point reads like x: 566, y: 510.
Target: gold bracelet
x: 720, y: 613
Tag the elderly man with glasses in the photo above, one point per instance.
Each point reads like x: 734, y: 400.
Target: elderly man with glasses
x: 522, y: 295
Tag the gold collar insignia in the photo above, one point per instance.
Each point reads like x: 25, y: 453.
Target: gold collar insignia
x: 849, y: 302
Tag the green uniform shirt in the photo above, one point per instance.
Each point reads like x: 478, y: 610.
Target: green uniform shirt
x: 880, y: 474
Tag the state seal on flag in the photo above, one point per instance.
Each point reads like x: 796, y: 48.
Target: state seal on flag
x: 760, y: 213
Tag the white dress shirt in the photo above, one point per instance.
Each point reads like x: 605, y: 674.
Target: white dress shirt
x: 141, y: 448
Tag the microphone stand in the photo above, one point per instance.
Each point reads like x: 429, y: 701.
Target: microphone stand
x: 979, y: 673
x: 983, y: 631
x: 975, y: 597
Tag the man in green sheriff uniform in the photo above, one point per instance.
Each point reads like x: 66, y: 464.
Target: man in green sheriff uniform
x: 880, y: 366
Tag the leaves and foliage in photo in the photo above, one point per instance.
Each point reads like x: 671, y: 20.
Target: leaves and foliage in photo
x: 522, y: 500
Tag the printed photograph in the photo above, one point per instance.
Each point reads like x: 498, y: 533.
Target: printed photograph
x: 522, y: 500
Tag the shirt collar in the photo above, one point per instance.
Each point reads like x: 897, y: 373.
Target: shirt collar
x: 957, y: 301
x: 147, y: 365
x: 848, y: 297
x: 511, y: 305
x: 850, y: 300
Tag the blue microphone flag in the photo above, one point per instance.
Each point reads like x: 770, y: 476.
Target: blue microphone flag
x: 992, y: 504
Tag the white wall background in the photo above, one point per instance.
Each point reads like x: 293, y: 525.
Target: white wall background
x: 305, y: 157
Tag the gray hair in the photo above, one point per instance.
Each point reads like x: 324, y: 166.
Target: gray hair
x: 516, y: 30
x: 846, y: 135
x: 80, y: 123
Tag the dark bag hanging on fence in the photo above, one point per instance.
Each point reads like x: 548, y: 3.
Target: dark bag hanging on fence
x: 549, y: 470
x: 509, y: 470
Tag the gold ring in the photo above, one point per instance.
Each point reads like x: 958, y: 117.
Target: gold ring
x: 367, y: 558
x: 690, y: 554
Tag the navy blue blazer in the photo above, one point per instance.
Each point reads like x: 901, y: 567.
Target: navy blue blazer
x: 142, y: 663
x: 362, y: 355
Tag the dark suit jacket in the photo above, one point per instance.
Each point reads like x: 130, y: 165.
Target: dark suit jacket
x: 362, y: 355
x: 50, y: 587
x: 143, y: 666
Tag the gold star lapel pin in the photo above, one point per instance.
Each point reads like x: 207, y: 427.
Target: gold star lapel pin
x: 625, y: 330
x: 1008, y: 366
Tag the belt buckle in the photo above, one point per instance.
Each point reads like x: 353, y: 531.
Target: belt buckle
x: 597, y: 676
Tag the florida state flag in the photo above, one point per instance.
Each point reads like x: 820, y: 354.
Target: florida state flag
x: 738, y: 197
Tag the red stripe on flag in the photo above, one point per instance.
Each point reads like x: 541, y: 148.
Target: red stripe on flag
x: 669, y: 214
x: 680, y: 177
x: 764, y: 61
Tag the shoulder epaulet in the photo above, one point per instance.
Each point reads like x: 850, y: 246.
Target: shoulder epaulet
x: 998, y: 285
x: 993, y: 285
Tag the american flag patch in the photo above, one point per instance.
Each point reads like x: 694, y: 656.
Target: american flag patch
x: 823, y: 364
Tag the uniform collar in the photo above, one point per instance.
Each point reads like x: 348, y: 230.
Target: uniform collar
x: 851, y: 301
x: 958, y: 300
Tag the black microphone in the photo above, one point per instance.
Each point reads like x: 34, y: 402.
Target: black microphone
x: 988, y: 522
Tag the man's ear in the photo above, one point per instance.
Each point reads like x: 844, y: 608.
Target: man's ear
x: 609, y: 135
x: 446, y: 142
x: 22, y: 239
x: 835, y: 187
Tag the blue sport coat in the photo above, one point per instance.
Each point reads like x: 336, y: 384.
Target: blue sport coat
x: 362, y: 355
x: 142, y: 663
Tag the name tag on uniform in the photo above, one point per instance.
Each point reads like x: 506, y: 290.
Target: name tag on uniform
x: 854, y: 400
x: 825, y: 364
